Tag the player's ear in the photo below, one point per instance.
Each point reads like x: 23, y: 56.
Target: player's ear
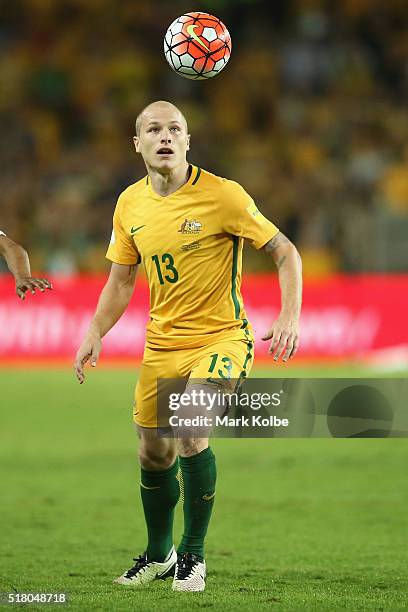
x: 188, y: 142
x: 136, y: 142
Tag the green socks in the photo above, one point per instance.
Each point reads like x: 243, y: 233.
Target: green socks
x: 160, y: 493
x: 198, y: 485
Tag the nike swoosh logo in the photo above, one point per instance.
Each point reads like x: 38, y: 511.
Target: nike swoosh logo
x: 133, y: 230
x: 208, y: 497
x: 190, y: 30
x: 148, y: 488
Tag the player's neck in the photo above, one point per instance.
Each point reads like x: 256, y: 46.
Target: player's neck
x: 166, y: 184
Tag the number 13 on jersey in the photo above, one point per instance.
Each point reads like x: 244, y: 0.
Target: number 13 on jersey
x: 165, y: 264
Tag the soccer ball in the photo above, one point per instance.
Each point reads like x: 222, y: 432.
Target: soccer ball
x: 197, y: 45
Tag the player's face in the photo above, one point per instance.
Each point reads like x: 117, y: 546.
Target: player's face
x: 163, y: 140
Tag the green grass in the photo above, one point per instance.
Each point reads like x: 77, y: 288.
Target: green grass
x: 317, y: 524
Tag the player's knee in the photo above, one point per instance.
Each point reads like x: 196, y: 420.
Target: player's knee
x: 156, y: 458
x: 191, y: 446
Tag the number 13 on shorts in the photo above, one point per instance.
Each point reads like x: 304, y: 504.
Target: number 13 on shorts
x: 228, y: 360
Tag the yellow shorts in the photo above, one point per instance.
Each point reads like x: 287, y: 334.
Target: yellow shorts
x: 226, y: 360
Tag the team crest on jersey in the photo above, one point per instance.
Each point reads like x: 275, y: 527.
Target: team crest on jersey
x: 190, y: 226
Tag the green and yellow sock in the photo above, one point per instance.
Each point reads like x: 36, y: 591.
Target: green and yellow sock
x: 199, y: 476
x: 160, y: 493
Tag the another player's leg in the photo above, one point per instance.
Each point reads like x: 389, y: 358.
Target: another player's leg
x: 160, y: 491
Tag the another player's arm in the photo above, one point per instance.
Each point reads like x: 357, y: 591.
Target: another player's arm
x: 19, y: 265
x: 113, y: 301
x: 285, y: 330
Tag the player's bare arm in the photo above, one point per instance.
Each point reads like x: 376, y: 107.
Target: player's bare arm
x: 19, y: 265
x: 113, y: 301
x: 284, y: 333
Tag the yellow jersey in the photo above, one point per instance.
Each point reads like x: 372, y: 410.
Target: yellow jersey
x: 190, y: 243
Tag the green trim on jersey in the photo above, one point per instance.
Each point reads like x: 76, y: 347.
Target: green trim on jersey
x: 238, y: 306
x: 235, y: 248
x: 197, y: 176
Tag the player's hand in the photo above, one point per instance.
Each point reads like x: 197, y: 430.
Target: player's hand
x: 31, y: 284
x: 284, y: 334
x: 89, y: 350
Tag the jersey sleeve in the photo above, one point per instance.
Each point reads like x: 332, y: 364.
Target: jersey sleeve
x: 241, y: 217
x: 122, y: 249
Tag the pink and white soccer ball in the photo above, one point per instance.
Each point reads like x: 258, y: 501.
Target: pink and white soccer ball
x: 197, y: 46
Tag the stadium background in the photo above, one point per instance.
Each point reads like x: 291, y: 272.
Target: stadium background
x: 310, y: 117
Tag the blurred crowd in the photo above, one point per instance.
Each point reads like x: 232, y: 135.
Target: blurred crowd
x: 310, y: 116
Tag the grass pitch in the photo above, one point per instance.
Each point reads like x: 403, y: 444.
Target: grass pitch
x: 298, y: 524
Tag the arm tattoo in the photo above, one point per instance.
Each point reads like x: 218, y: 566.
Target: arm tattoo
x: 281, y: 262
x: 276, y: 242
x: 274, y: 246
